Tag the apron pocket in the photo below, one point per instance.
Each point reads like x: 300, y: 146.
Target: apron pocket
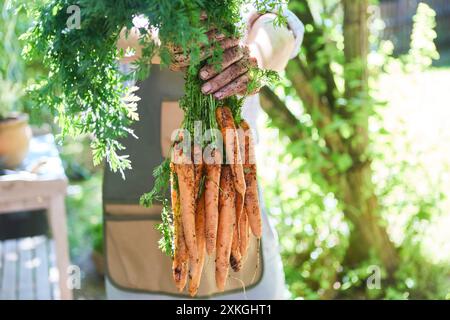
x: 171, y: 119
x: 135, y: 263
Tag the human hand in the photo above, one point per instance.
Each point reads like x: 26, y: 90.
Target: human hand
x: 232, y: 77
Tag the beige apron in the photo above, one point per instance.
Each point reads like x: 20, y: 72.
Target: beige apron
x: 134, y: 263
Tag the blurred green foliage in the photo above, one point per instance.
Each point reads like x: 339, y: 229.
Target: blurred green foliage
x: 11, y: 65
x: 16, y: 74
x: 85, y: 216
x: 313, y: 231
x: 422, y: 49
x: 84, y: 201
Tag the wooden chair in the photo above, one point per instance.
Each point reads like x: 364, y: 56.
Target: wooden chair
x: 41, y: 185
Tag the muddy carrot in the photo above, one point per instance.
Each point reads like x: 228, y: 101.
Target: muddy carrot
x: 201, y: 244
x: 180, y: 262
x: 239, y: 207
x: 227, y: 215
x: 198, y: 168
x: 185, y: 173
x: 235, y: 257
x: 212, y: 182
x: 251, y: 200
x: 244, y: 234
x: 227, y: 127
x: 196, y: 270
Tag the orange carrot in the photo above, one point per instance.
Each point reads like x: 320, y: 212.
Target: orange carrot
x: 251, y: 200
x: 185, y: 173
x: 227, y: 215
x: 225, y: 121
x: 201, y: 243
x: 212, y: 200
x: 180, y: 258
x: 244, y: 234
x: 198, y: 168
x: 239, y: 208
x: 235, y: 257
x: 241, y: 214
x: 196, y: 271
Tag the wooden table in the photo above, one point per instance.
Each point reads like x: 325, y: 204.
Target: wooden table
x: 41, y: 184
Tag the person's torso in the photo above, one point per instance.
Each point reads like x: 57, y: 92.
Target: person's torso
x: 133, y: 260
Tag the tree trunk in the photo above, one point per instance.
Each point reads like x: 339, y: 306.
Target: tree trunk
x: 368, y: 234
x: 361, y: 203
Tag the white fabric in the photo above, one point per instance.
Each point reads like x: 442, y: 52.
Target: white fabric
x: 297, y: 28
x: 249, y: 13
x: 252, y: 107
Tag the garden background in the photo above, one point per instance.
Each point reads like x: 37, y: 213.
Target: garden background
x: 354, y: 151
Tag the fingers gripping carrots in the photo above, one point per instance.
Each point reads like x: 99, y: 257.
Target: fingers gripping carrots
x: 215, y: 205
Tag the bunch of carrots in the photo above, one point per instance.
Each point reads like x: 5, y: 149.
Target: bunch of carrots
x: 215, y: 204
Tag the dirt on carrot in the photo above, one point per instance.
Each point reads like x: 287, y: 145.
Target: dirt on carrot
x: 244, y: 234
x: 235, y: 257
x: 184, y: 170
x: 201, y: 245
x: 225, y: 121
x: 227, y: 215
x: 180, y: 264
x: 212, y: 183
x: 251, y: 199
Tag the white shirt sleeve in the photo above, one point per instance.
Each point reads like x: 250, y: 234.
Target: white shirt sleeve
x: 250, y: 14
x: 297, y: 28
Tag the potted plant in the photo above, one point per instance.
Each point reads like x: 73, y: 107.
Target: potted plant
x: 15, y: 132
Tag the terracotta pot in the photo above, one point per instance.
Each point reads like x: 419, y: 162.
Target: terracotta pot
x: 15, y: 135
